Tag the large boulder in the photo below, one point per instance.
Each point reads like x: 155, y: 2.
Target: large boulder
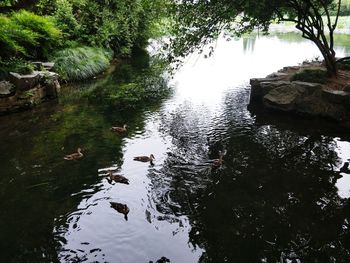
x: 336, y: 96
x: 24, y: 82
x: 261, y: 86
x: 301, y: 97
x: 283, y: 98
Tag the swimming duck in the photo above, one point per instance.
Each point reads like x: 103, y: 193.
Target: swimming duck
x: 74, y: 156
x: 121, y: 208
x: 118, y: 178
x: 218, y: 162
x: 119, y: 129
x: 145, y: 158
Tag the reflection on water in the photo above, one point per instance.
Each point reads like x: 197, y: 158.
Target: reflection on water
x: 278, y: 196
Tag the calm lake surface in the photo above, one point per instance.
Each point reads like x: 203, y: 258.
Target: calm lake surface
x: 279, y: 196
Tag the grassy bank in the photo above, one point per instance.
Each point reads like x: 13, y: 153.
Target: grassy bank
x: 81, y: 63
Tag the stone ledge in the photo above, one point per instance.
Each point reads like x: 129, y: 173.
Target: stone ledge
x: 277, y: 92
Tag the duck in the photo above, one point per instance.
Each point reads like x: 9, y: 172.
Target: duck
x: 121, y: 208
x: 119, y: 129
x: 145, y: 158
x: 117, y: 178
x: 218, y: 162
x: 74, y: 156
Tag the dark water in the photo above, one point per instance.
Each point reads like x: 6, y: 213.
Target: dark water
x: 278, y: 197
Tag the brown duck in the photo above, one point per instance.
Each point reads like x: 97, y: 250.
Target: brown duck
x: 145, y: 158
x: 121, y: 208
x: 119, y: 129
x: 74, y: 156
x: 218, y: 162
x: 117, y: 178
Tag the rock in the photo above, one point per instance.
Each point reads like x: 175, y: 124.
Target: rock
x: 261, y: 86
x: 47, y: 75
x: 282, y: 98
x: 43, y: 65
x: 307, y: 87
x: 336, y: 96
x: 52, y: 89
x: 24, y: 82
x: 48, y: 65
x: 346, y: 88
x: 6, y: 89
x: 277, y: 75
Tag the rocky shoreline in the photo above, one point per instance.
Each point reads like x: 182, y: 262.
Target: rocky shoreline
x: 21, y: 92
x: 278, y: 92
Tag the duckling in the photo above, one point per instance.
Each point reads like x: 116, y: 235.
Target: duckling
x: 218, y: 162
x: 121, y: 208
x: 145, y: 158
x: 119, y: 129
x: 74, y: 156
x: 117, y: 178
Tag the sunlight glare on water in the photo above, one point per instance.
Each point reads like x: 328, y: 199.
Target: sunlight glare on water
x: 203, y: 80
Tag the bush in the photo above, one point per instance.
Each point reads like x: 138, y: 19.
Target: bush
x: 81, y: 63
x: 14, y: 39
x: 47, y: 35
x: 65, y: 19
x: 25, y: 34
x: 120, y: 25
x: 311, y: 75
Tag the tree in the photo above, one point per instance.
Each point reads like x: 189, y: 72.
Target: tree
x: 200, y: 21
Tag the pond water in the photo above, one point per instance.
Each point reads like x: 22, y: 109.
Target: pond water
x: 278, y: 197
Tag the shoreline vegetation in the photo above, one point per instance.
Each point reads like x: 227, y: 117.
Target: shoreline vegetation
x: 81, y: 38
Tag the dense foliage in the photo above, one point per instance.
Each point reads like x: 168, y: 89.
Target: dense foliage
x: 34, y: 29
x: 201, y: 21
x: 24, y: 34
x: 119, y: 25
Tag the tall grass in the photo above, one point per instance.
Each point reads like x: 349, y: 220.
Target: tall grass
x: 81, y: 63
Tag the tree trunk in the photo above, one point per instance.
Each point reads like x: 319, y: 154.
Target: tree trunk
x: 329, y: 57
x: 331, y: 65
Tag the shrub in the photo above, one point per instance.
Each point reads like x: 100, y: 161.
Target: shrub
x: 81, y: 63
x: 65, y: 19
x: 25, y: 34
x: 311, y: 75
x: 14, y: 38
x: 47, y: 35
